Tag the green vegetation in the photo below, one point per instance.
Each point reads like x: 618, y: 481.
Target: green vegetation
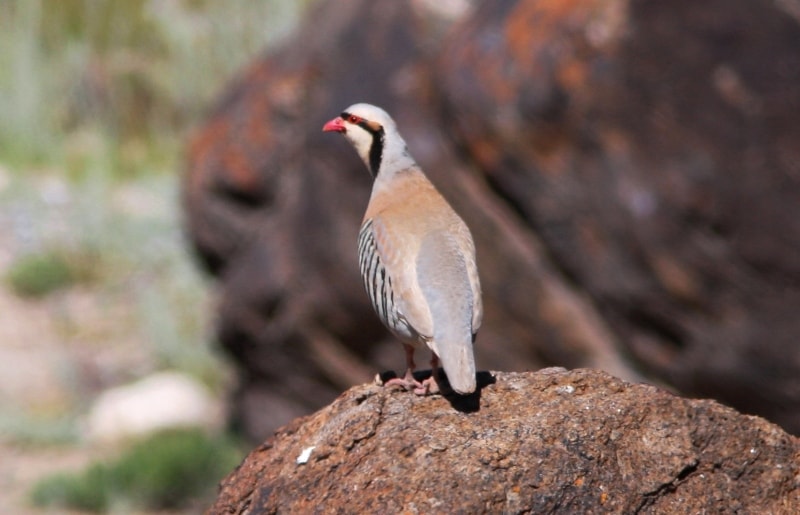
x: 96, y: 102
x: 138, y: 72
x: 35, y: 275
x: 169, y: 470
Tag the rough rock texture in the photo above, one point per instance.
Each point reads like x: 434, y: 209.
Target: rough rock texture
x: 548, y: 442
x: 629, y: 168
x: 653, y: 146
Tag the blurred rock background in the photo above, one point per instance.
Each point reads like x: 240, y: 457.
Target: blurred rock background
x: 630, y: 170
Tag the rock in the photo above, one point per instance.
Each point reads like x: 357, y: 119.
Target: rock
x: 160, y: 401
x: 555, y: 441
x: 653, y: 148
x: 629, y: 169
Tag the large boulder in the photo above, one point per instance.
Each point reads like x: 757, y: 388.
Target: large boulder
x: 654, y: 148
x: 630, y: 171
x: 548, y: 442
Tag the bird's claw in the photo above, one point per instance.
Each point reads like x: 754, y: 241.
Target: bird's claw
x: 428, y: 386
x: 404, y: 383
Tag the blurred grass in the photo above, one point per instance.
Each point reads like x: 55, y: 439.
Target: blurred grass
x: 38, y: 274
x: 169, y: 470
x: 96, y: 100
x: 137, y: 71
x: 29, y: 430
x: 120, y: 241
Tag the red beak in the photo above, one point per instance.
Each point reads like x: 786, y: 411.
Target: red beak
x: 335, y: 125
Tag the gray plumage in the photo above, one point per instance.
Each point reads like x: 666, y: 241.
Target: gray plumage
x: 416, y: 255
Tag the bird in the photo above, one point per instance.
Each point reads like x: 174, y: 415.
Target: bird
x: 416, y: 255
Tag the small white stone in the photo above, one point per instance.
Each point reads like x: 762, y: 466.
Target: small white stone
x: 305, y: 455
x: 157, y: 402
x: 566, y: 389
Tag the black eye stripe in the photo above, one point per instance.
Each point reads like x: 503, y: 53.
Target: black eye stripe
x: 346, y: 117
x: 361, y: 123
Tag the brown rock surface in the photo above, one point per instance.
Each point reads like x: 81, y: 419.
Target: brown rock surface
x: 555, y: 441
x: 653, y: 147
x: 629, y: 168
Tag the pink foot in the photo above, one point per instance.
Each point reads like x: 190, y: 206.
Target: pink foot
x: 407, y: 383
x: 404, y: 383
x: 427, y: 387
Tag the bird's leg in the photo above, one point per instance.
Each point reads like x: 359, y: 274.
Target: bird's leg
x: 430, y: 385
x: 407, y: 382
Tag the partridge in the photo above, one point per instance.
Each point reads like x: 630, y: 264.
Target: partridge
x: 416, y: 255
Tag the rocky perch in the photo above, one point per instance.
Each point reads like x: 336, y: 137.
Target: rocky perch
x: 554, y: 441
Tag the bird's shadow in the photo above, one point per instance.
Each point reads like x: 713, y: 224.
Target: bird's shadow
x: 464, y: 403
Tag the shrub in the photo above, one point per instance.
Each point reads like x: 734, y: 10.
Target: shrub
x: 172, y: 469
x: 36, y: 275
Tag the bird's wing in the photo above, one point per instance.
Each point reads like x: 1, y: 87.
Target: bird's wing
x: 387, y: 266
x: 467, y: 248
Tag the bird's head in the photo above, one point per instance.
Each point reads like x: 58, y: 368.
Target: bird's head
x: 373, y: 133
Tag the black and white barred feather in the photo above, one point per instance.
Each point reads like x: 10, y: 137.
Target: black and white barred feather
x: 378, y: 284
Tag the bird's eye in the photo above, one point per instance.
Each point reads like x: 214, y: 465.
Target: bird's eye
x: 353, y: 119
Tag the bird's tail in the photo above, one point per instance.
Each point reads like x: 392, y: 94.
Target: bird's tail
x: 444, y: 280
x: 459, y: 364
